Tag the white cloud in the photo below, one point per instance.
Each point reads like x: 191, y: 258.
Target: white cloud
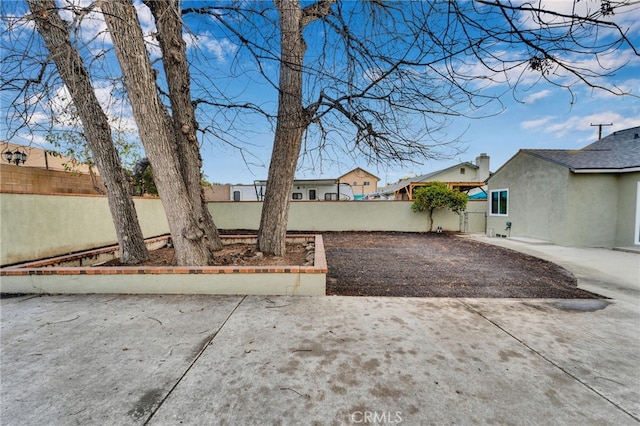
x: 630, y: 87
x: 221, y: 48
x: 31, y: 138
x: 147, y: 22
x: 539, y: 123
x: 536, y: 96
x: 625, y: 16
x: 38, y: 119
x: 579, y: 124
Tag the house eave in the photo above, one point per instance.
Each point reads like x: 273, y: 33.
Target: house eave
x: 595, y: 171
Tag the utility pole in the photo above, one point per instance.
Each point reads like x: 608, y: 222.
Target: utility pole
x: 600, y: 128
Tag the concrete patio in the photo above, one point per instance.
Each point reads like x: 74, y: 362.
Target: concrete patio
x: 158, y: 360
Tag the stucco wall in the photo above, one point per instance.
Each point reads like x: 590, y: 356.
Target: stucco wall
x: 627, y: 205
x: 38, y: 226
x: 537, y: 205
x: 592, y: 203
x: 346, y: 216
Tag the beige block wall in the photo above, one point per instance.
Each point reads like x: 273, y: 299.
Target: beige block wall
x: 29, y: 180
x: 217, y: 192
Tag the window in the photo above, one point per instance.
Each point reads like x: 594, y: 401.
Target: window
x: 330, y: 196
x: 499, y: 202
x: 367, y: 183
x: 236, y: 195
x: 355, y: 184
x: 312, y: 194
x: 296, y: 196
x: 462, y: 170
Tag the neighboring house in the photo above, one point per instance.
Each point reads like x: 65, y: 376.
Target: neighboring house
x: 302, y: 190
x: 588, y: 197
x: 362, y: 182
x: 466, y: 177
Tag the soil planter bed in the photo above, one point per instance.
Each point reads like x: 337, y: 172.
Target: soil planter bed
x: 81, y: 273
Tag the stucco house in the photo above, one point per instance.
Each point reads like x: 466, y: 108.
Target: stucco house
x: 302, y: 190
x: 466, y: 177
x: 361, y: 181
x: 588, y: 197
x: 353, y: 185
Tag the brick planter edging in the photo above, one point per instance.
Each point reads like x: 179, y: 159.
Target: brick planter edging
x: 42, y: 277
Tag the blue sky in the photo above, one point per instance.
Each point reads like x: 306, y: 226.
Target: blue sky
x: 538, y: 115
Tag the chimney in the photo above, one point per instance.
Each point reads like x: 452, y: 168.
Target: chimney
x: 482, y: 161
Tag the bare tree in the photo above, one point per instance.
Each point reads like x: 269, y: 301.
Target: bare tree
x: 174, y: 59
x: 169, y: 142
x: 97, y: 131
x: 381, y: 78
x: 373, y: 79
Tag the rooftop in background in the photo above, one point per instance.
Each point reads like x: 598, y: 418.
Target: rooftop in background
x: 481, y: 169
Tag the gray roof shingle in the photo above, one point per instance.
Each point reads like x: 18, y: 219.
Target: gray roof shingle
x: 619, y: 150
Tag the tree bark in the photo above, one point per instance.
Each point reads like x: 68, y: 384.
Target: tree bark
x: 431, y: 220
x: 96, y: 128
x: 156, y: 132
x: 291, y: 123
x: 174, y: 60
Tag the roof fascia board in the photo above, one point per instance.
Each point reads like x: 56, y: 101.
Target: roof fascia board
x: 592, y: 171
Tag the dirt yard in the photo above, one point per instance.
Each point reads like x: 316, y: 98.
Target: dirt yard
x: 233, y: 254
x: 438, y: 265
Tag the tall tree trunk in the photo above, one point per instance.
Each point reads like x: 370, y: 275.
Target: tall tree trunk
x: 174, y: 59
x: 290, y: 127
x: 156, y: 132
x: 96, y: 128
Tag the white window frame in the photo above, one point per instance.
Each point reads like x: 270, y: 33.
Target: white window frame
x: 330, y: 196
x: 491, y: 213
